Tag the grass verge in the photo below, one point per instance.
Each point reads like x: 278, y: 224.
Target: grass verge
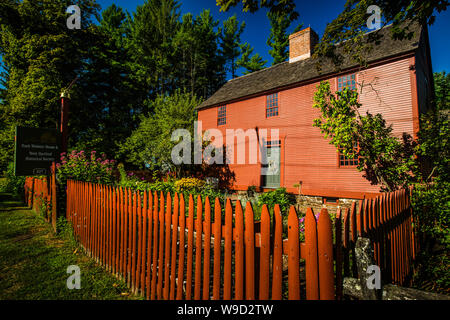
x: 34, y: 261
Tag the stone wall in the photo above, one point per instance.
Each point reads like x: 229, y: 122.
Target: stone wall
x: 302, y: 202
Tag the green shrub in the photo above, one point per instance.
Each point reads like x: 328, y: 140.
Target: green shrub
x: 45, y: 209
x: 271, y: 198
x: 431, y: 208
x: 189, y: 185
x: 3, y: 184
x: 13, y: 184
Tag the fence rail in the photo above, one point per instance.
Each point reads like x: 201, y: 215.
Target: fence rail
x: 164, y: 253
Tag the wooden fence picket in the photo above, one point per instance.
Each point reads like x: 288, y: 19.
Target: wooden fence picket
x: 190, y: 248
x: 325, y: 252
x: 249, y: 253
x: 207, y: 250
x: 198, y: 249
x: 217, y: 248
x: 277, y: 258
x: 293, y: 255
x: 174, y: 246
x: 311, y: 263
x: 228, y: 247
x: 239, y: 253
x: 181, y: 246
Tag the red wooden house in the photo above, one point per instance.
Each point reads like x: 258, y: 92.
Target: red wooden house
x: 397, y: 83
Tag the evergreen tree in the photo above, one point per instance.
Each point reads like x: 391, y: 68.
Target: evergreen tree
x: 107, y: 88
x: 230, y: 42
x: 442, y: 89
x: 199, y: 65
x: 153, y: 27
x: 211, y: 71
x: 251, y: 64
x: 279, y: 38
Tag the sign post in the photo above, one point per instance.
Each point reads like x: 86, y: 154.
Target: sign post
x: 65, y: 100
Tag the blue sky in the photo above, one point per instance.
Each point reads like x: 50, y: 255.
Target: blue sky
x: 315, y: 14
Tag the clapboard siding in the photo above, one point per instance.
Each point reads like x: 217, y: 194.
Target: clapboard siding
x: 305, y: 155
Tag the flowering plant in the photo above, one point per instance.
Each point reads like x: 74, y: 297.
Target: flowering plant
x: 301, y: 222
x: 88, y: 168
x: 193, y: 185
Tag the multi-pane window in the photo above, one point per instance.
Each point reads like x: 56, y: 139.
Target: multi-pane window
x: 222, y: 115
x: 272, y: 105
x: 352, y: 160
x: 348, y: 81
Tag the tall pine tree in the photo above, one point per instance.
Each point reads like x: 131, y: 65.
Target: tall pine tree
x: 230, y: 42
x: 251, y: 64
x: 279, y: 38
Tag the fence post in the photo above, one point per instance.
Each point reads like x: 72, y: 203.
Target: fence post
x: 54, y: 195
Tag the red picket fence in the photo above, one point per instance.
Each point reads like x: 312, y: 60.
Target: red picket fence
x: 388, y: 222
x: 164, y: 253
x: 40, y: 195
x: 37, y: 194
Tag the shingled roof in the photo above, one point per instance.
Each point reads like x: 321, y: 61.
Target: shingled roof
x: 287, y: 74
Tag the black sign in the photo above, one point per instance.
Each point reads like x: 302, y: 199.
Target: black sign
x: 36, y: 149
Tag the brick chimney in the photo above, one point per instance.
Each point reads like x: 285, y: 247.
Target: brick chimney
x: 301, y: 44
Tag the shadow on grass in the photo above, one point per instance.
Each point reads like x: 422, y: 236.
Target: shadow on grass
x: 34, y: 261
x: 8, y: 202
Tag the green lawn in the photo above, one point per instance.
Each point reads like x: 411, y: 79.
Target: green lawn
x: 33, y: 261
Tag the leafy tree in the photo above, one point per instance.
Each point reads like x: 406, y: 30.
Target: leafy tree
x: 279, y: 38
x: 230, y: 42
x: 251, y: 64
x: 351, y: 24
x: 431, y: 197
x: 41, y: 56
x: 275, y: 6
x: 442, y: 90
x: 385, y: 159
x: 150, y: 144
